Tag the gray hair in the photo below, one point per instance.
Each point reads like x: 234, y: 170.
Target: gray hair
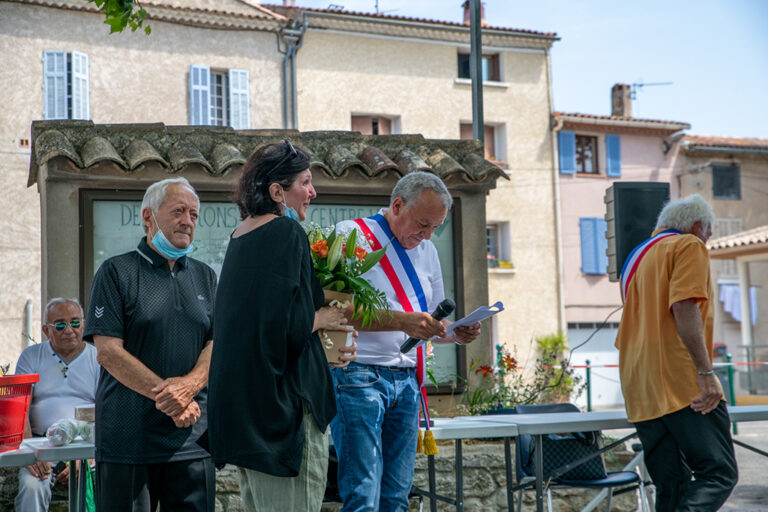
x: 682, y: 214
x: 155, y: 194
x: 410, y: 186
x: 61, y: 300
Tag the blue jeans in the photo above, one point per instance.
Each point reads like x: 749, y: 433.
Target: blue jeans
x: 375, y: 434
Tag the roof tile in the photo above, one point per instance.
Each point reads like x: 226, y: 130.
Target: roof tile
x: 218, y: 150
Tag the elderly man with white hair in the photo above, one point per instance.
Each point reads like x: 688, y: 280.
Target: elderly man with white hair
x: 665, y: 362
x: 68, y: 374
x: 150, y: 315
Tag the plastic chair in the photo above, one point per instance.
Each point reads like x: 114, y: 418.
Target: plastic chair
x: 526, y: 473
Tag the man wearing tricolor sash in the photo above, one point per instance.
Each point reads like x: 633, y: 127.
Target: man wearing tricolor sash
x: 378, y: 397
x: 665, y: 362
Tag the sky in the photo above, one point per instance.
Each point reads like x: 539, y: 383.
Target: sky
x: 715, y: 53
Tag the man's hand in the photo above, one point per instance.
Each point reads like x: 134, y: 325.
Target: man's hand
x: 421, y: 325
x: 174, y: 395
x: 710, y: 395
x: 467, y: 333
x: 63, y: 477
x: 348, y: 354
x: 188, y: 417
x: 41, y: 470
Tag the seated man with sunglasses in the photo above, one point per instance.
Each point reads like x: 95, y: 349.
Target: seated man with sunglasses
x: 69, y: 375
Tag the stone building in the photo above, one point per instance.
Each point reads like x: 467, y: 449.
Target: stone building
x: 252, y: 66
x: 732, y: 174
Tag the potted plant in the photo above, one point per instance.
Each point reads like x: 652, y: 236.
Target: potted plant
x: 339, y: 261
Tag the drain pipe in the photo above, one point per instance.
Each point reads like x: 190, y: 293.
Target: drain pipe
x: 27, y: 340
x: 292, y: 37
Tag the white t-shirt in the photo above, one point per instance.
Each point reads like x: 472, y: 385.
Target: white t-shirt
x: 58, y: 392
x: 383, y: 347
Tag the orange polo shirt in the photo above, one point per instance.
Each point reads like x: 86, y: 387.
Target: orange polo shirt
x: 658, y: 376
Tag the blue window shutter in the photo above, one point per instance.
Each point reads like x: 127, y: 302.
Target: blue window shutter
x: 239, y: 100
x: 199, y: 95
x: 54, y: 85
x: 566, y: 143
x: 613, y: 153
x: 601, y: 242
x: 80, y: 86
x: 593, y: 245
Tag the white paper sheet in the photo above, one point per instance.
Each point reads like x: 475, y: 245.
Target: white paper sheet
x: 478, y: 315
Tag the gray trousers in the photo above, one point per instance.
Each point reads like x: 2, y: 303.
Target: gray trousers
x: 34, y: 494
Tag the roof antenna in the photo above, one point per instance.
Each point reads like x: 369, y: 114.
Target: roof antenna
x: 376, y: 7
x: 636, y: 86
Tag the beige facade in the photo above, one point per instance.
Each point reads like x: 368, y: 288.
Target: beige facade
x: 132, y: 78
x: 350, y: 67
x: 402, y: 70
x: 738, y: 206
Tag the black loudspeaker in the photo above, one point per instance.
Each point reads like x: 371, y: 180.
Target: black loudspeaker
x: 631, y: 210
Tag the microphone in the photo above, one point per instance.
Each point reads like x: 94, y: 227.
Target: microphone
x: 443, y: 309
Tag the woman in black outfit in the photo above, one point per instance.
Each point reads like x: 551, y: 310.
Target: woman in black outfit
x: 270, y: 393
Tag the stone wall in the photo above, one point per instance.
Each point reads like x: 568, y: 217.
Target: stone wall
x: 484, y: 484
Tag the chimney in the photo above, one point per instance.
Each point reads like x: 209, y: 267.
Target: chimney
x: 621, y: 100
x: 289, y: 3
x: 465, y: 6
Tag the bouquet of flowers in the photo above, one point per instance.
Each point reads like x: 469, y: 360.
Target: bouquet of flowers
x: 339, y: 262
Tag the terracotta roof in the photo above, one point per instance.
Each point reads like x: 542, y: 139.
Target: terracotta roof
x: 220, y: 149
x: 226, y: 14
x: 709, y: 143
x: 621, y: 119
x: 752, y: 241
x: 280, y: 8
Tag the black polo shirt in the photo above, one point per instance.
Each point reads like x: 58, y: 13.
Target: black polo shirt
x: 164, y: 318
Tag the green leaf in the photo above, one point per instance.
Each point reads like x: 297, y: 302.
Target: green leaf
x: 371, y: 259
x: 351, y: 243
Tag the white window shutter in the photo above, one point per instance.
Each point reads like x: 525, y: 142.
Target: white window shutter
x: 199, y: 95
x: 80, y: 86
x: 54, y: 85
x: 239, y: 99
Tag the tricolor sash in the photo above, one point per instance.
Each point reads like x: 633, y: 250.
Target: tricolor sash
x: 398, y: 268
x: 633, y: 260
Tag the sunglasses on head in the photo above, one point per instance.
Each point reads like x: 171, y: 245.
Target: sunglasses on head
x: 60, y: 326
x: 291, y: 153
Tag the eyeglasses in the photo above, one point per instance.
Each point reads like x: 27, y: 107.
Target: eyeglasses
x: 291, y: 153
x: 60, y: 326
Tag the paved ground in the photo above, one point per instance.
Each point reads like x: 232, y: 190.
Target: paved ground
x: 751, y: 493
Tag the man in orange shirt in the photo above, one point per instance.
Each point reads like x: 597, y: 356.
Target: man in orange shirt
x: 665, y: 361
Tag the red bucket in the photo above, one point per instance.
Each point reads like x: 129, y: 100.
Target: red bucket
x: 15, y: 391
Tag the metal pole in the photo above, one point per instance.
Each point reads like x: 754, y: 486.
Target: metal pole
x: 731, y: 392
x: 476, y: 69
x: 27, y: 340
x: 589, y: 387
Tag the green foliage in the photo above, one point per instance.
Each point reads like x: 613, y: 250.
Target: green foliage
x: 507, y: 383
x: 339, y: 262
x: 123, y: 13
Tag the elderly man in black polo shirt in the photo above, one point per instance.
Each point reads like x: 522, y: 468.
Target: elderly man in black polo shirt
x: 150, y: 315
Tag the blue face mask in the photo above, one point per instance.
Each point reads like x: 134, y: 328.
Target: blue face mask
x: 290, y: 212
x: 165, y: 247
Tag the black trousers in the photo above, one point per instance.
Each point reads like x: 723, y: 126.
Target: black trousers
x: 687, y: 443
x: 182, y: 486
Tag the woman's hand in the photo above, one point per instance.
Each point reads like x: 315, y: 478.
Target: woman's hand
x: 331, y: 319
x: 348, y: 354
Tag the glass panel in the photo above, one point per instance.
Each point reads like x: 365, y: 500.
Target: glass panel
x: 117, y: 229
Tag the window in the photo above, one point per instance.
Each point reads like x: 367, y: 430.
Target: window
x: 491, y: 68
x: 492, y: 243
x: 497, y: 242
x: 593, y: 245
x: 578, y: 154
x: 586, y: 155
x: 726, y: 181
x: 726, y: 269
x: 219, y: 97
x: 494, y: 135
x: 373, y: 125
x: 66, y: 87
